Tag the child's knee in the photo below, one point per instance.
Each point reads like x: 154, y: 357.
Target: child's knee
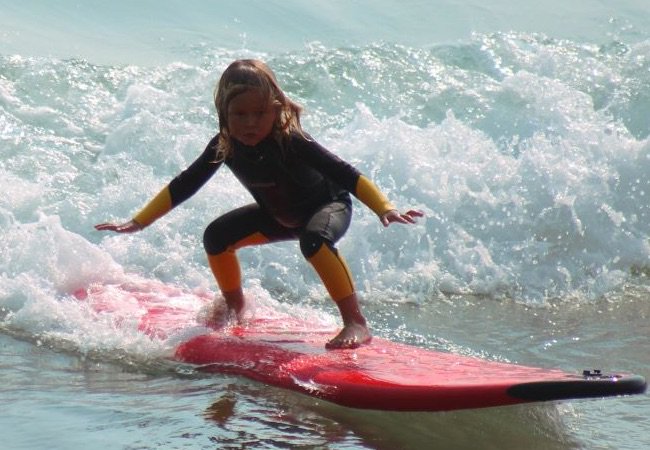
x: 213, y: 241
x: 310, y: 243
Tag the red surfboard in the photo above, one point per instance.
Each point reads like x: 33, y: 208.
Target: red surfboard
x: 288, y: 352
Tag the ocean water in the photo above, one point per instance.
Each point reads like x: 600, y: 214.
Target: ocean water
x: 520, y: 130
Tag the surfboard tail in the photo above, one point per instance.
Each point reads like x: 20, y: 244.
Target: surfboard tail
x: 592, y: 384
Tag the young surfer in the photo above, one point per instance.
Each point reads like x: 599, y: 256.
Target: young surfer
x: 301, y: 191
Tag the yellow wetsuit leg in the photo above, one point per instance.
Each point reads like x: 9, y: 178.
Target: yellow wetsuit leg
x: 333, y: 271
x: 225, y: 265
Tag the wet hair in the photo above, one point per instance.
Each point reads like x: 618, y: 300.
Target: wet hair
x: 241, y: 76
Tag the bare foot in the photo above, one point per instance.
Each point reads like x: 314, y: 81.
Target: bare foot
x: 224, y: 312
x: 218, y: 315
x: 236, y: 302
x: 353, y: 335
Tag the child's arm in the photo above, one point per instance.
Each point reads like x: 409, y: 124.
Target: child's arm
x: 371, y: 196
x: 351, y: 179
x: 186, y: 184
x: 160, y: 205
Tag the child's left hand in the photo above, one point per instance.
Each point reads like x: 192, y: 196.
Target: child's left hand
x: 395, y: 216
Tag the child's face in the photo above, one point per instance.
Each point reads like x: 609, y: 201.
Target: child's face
x: 250, y: 117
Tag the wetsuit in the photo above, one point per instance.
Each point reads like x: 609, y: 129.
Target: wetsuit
x: 301, y: 192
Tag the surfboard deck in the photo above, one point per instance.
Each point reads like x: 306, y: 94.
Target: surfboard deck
x: 287, y: 352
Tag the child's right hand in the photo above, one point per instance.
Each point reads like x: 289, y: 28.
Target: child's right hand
x: 129, y: 227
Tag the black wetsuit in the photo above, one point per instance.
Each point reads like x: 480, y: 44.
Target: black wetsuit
x: 301, y: 191
x: 290, y: 187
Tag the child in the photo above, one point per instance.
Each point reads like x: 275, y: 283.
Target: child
x: 301, y: 192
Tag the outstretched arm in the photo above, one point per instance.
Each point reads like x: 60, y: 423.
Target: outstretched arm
x: 354, y: 181
x: 177, y: 191
x: 370, y: 194
x: 160, y: 205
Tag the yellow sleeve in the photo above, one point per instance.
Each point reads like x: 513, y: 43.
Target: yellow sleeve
x: 160, y: 205
x: 372, y: 197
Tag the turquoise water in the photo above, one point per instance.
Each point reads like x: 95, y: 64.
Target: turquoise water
x: 522, y: 133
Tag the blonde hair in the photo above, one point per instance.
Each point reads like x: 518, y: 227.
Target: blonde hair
x: 241, y: 76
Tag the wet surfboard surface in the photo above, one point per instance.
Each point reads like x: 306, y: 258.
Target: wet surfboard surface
x: 288, y: 352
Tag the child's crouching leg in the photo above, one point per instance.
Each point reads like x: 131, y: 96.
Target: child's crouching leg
x: 226, y: 270
x: 334, y: 273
